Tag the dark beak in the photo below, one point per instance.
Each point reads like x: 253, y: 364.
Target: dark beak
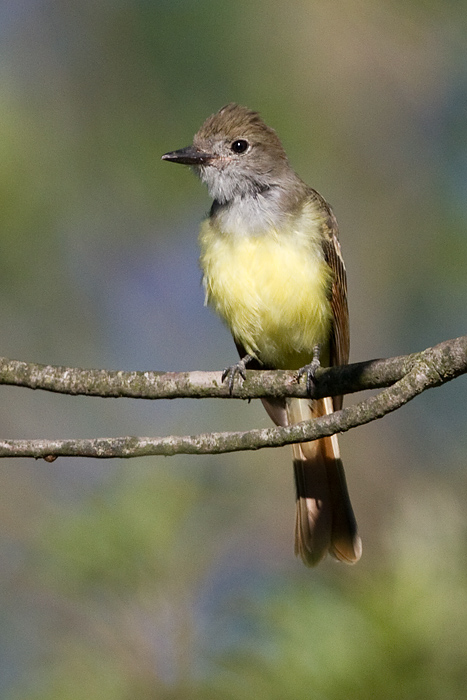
x: 188, y: 156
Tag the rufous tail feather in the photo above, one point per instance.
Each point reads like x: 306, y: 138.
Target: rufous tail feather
x: 325, y: 521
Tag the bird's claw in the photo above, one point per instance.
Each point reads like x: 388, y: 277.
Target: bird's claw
x: 310, y: 371
x: 237, y: 369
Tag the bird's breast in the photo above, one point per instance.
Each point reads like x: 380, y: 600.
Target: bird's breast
x: 272, y: 290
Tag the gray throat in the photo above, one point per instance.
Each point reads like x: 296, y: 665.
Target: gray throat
x: 255, y: 213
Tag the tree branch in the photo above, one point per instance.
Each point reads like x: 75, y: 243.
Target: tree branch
x: 449, y: 357
x: 409, y: 376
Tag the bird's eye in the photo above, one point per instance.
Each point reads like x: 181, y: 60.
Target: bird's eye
x: 239, y: 146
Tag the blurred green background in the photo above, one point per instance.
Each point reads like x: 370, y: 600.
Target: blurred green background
x: 176, y: 578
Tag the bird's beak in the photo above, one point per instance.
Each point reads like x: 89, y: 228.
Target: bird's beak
x: 188, y: 156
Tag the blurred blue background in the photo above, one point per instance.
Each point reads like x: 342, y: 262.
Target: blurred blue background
x: 176, y: 578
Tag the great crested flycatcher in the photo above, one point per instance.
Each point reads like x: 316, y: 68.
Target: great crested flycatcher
x: 274, y: 272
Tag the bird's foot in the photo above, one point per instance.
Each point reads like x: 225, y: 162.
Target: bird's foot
x: 237, y: 369
x: 310, y: 371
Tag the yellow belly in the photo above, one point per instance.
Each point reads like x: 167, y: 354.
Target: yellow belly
x: 272, y: 291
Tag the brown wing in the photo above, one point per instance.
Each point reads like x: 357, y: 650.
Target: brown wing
x: 340, y: 337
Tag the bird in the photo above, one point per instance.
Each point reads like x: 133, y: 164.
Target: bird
x: 273, y: 271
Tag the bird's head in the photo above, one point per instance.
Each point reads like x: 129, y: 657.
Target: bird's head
x: 236, y: 154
